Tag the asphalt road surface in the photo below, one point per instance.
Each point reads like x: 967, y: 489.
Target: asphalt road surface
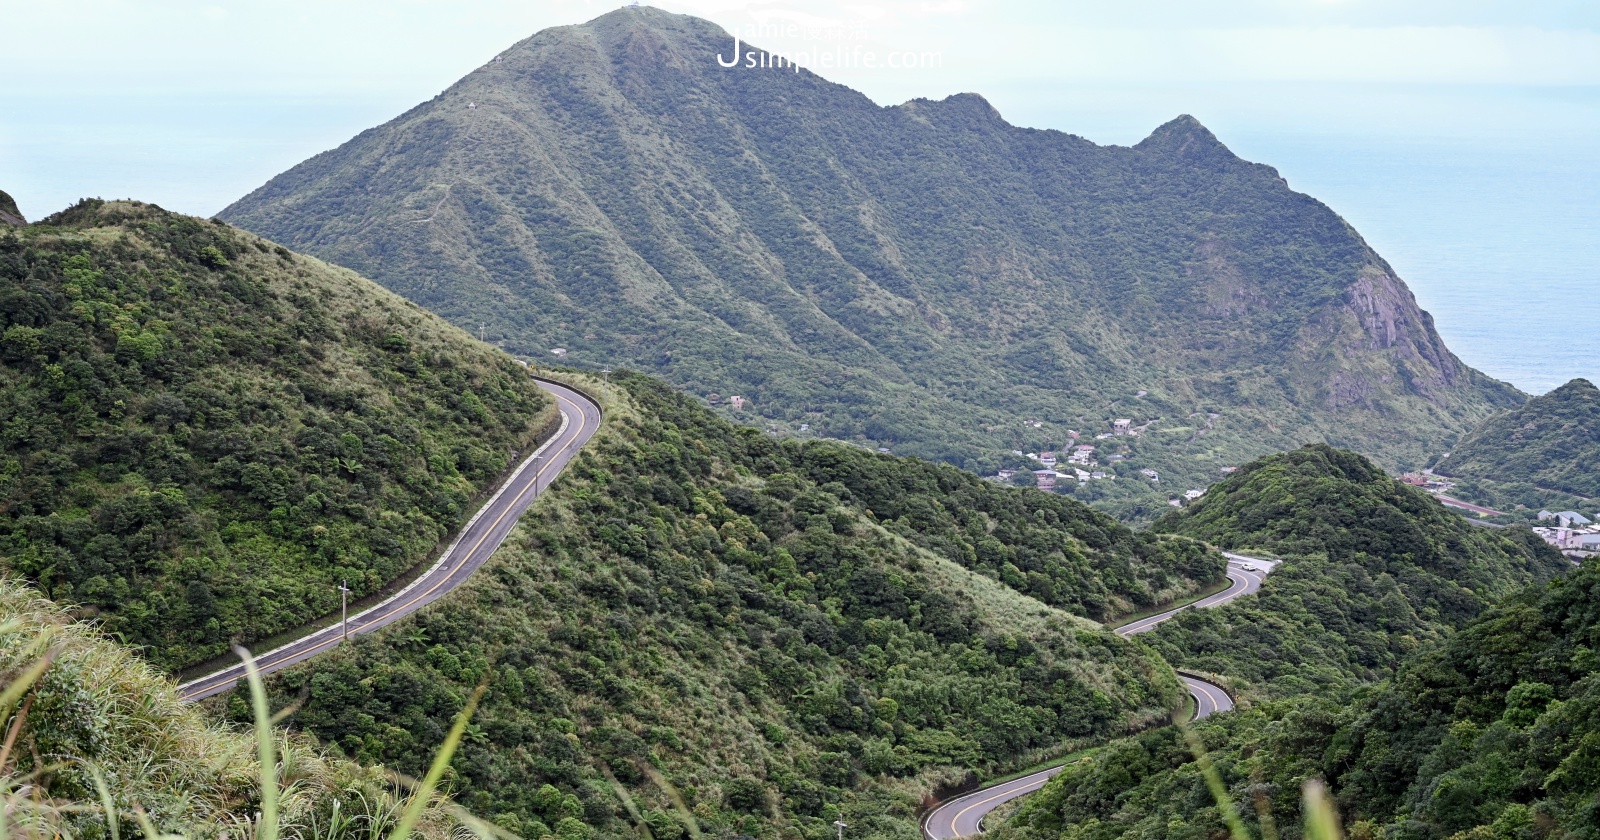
x: 963, y: 816
x: 484, y: 533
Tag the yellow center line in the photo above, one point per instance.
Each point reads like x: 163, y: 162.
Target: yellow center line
x: 1205, y: 692
x: 464, y: 558
x: 963, y: 812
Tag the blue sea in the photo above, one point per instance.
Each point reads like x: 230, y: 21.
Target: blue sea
x: 1496, y: 231
x: 1501, y: 243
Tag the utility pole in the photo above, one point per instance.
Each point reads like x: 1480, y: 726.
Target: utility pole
x: 841, y: 826
x: 482, y: 328
x: 606, y: 372
x: 344, y: 609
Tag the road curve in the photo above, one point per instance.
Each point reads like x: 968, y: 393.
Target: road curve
x: 963, y: 816
x: 483, y: 534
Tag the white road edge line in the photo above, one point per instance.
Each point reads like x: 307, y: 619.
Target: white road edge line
x: 444, y: 558
x: 1250, y: 569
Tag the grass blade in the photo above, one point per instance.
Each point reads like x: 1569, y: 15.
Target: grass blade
x: 266, y: 753
x: 424, y: 791
x: 1322, y: 819
x: 106, y: 802
x: 672, y: 794
x: 1219, y: 791
x: 24, y: 681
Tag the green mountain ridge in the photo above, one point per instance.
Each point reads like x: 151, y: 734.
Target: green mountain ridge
x: 202, y: 435
x: 1377, y: 656
x: 924, y: 276
x: 780, y: 633
x: 1488, y: 735
x: 1551, y: 442
x: 1374, y: 569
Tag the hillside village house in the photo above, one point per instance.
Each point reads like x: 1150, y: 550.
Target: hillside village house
x: 1045, y: 479
x: 1566, y: 518
x: 1121, y: 426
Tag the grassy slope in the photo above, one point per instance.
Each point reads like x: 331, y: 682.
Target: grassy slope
x: 99, y: 710
x: 1373, y: 570
x: 202, y: 434
x: 924, y: 276
x: 701, y: 600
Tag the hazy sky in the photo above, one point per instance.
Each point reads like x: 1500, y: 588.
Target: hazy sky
x: 140, y: 90
x: 1459, y: 136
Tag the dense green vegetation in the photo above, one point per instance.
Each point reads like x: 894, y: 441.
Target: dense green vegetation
x: 924, y: 277
x: 79, y: 711
x: 1373, y: 570
x: 1492, y: 735
x: 1376, y: 581
x: 1551, y: 443
x: 202, y: 434
x: 781, y: 632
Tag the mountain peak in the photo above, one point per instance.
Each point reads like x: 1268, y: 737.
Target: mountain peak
x: 1185, y: 137
x: 9, y: 214
x: 634, y: 19
x: 1576, y: 386
x: 607, y: 186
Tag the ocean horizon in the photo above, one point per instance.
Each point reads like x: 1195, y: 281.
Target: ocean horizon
x: 1498, y: 236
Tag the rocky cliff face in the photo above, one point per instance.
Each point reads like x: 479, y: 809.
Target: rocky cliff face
x: 9, y: 214
x: 920, y: 276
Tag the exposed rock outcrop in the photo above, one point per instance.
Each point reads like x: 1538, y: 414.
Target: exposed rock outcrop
x: 9, y: 214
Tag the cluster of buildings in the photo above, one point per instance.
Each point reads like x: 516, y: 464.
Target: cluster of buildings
x: 1570, y: 531
x: 1080, y: 460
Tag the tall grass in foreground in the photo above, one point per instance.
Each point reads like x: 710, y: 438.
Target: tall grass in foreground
x: 1317, y: 808
x: 96, y: 745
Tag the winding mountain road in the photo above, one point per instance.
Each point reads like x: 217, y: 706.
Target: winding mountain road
x: 483, y: 534
x: 488, y: 529
x: 963, y: 815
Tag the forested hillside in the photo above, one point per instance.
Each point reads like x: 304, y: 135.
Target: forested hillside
x: 1373, y: 570
x: 96, y: 737
x: 781, y: 633
x: 925, y: 277
x: 1491, y: 734
x: 202, y: 434
x: 1376, y: 584
x: 1552, y: 443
